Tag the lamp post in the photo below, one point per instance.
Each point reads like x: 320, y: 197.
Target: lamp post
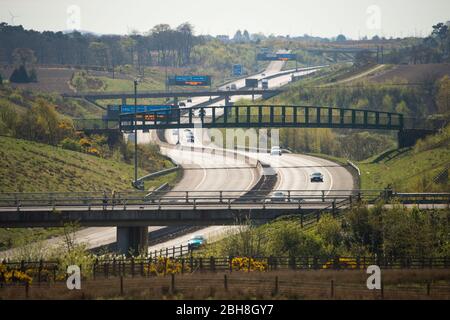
x: 135, y: 134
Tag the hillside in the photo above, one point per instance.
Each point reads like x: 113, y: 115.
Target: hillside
x: 417, y: 169
x: 32, y: 167
x: 22, y: 100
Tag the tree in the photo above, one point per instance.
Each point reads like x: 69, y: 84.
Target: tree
x: 47, y: 119
x: 341, y: 38
x: 8, y: 119
x: 238, y: 36
x: 402, y: 108
x: 443, y: 95
x: 20, y: 75
x: 246, y: 36
x: 24, y: 61
x: 101, y: 53
x: 330, y: 231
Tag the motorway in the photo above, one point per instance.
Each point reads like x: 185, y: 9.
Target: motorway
x: 206, y: 172
x: 293, y: 170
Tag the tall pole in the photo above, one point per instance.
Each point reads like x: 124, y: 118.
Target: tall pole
x: 135, y: 134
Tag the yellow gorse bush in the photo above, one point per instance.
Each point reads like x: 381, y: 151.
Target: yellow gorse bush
x: 165, y: 266
x: 244, y: 263
x: 8, y: 276
x: 344, y: 263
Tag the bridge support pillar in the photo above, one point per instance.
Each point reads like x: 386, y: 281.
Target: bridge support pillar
x: 124, y: 101
x: 132, y: 240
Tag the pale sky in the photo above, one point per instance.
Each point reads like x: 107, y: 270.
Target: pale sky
x: 326, y: 18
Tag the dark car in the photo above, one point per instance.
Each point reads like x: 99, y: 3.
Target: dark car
x: 316, y: 177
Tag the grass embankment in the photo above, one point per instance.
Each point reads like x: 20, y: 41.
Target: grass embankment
x: 23, y: 100
x: 406, y: 170
x: 35, y: 167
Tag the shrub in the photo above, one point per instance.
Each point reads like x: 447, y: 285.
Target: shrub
x: 248, y: 264
x: 16, y: 98
x: 71, y: 144
x: 20, y: 75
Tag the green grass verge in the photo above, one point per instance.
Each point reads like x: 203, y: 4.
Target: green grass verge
x: 406, y: 170
x: 31, y: 167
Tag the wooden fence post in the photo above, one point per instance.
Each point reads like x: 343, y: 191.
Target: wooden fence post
x: 275, y: 290
x: 212, y: 264
x: 40, y: 272
x: 428, y: 289
x: 332, y: 288
x: 166, y: 262
x: 121, y: 285
x: 172, y: 283
x: 114, y: 267
x: 27, y: 290
x: 315, y: 263
x: 54, y: 273
x: 182, y: 265
x: 225, y: 282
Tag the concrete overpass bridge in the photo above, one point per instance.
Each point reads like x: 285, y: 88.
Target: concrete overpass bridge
x: 133, y: 212
x: 174, y: 94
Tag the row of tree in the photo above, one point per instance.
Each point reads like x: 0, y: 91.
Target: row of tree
x: 162, y: 45
x: 433, y: 49
x: 395, y: 233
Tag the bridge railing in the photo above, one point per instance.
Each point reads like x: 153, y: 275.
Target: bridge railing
x: 267, y: 115
x: 328, y: 199
x: 164, y: 197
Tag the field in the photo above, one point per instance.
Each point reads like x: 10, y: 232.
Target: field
x: 322, y: 284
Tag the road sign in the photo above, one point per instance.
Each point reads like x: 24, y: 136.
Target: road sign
x: 251, y: 83
x: 190, y: 80
x: 237, y: 70
x: 276, y: 56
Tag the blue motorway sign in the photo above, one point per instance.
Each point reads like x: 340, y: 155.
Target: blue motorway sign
x: 143, y: 108
x: 190, y: 80
x: 237, y: 70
